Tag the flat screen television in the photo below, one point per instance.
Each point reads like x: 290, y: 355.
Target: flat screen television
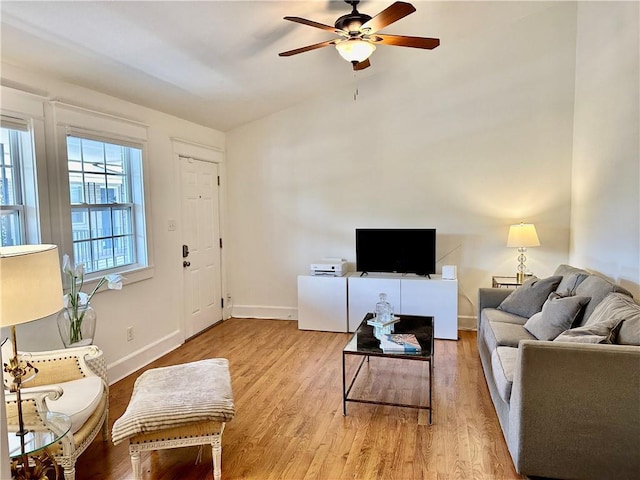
x: 407, y: 250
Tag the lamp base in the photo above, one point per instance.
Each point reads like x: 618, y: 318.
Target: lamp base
x: 520, y: 276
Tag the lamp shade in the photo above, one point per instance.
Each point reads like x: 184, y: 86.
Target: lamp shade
x: 523, y: 235
x: 30, y: 283
x: 355, y: 50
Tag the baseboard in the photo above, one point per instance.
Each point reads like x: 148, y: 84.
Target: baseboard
x: 265, y: 312
x: 140, y: 358
x: 467, y: 322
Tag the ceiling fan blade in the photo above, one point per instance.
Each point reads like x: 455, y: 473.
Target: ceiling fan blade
x: 403, y: 41
x: 308, y: 48
x: 391, y: 14
x: 362, y: 65
x: 311, y: 23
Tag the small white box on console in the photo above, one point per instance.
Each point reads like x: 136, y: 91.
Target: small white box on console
x: 332, y: 267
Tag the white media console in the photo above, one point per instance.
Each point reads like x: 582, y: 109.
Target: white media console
x: 340, y: 303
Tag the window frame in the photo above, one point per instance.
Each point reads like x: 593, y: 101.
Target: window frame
x: 30, y: 187
x: 143, y: 267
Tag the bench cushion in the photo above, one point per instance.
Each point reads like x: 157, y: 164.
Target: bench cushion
x: 173, y: 396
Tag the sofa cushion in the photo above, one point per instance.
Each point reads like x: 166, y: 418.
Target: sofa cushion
x: 618, y: 306
x: 557, y: 315
x: 565, y: 270
x: 501, y: 334
x: 570, y: 282
x: 79, y: 400
x: 503, y: 364
x: 596, y: 288
x: 495, y: 315
x: 527, y: 299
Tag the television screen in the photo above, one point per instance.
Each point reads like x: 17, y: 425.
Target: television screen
x: 396, y: 250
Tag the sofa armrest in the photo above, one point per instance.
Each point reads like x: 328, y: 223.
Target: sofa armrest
x: 574, y: 410
x: 491, y: 298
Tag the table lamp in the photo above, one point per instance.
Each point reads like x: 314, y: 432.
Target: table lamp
x: 30, y: 289
x: 522, y: 235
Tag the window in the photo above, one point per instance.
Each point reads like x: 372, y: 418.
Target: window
x: 106, y: 197
x: 15, y: 152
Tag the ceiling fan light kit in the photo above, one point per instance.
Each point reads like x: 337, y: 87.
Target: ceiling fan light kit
x: 355, y: 50
x: 357, y: 30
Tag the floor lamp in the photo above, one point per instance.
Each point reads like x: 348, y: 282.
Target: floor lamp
x: 522, y: 235
x: 30, y: 289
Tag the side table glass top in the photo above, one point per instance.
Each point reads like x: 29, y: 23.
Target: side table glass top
x: 43, y: 431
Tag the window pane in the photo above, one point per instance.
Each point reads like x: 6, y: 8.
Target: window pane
x: 101, y: 223
x: 80, y: 224
x: 73, y: 150
x: 102, y: 253
x: 7, y: 186
x: 10, y: 229
x: 123, y: 250
x: 82, y: 254
x: 117, y: 189
x: 122, y: 224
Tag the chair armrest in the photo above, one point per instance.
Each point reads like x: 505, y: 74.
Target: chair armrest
x: 573, y: 405
x: 33, y: 402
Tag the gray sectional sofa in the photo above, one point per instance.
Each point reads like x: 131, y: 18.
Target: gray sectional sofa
x: 567, y: 395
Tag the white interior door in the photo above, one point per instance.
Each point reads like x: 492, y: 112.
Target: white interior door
x: 201, y: 235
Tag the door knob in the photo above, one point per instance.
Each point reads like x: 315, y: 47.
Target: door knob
x: 186, y: 264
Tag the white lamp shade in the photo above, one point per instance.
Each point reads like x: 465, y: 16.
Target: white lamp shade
x: 355, y: 50
x: 523, y: 235
x: 30, y: 283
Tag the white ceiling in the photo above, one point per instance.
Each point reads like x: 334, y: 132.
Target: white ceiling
x: 216, y: 62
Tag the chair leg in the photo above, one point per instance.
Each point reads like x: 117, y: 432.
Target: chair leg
x: 69, y: 472
x: 216, y: 456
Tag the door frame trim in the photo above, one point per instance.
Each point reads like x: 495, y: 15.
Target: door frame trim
x: 205, y: 153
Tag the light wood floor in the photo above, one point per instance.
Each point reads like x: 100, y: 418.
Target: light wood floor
x: 287, y: 386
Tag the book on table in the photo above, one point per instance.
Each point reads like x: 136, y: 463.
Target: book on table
x: 399, y: 343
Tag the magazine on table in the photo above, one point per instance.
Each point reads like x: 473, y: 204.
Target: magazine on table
x: 400, y: 342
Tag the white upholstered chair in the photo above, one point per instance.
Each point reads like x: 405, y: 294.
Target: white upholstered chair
x: 72, y: 381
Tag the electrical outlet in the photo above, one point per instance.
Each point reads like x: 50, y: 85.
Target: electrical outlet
x: 129, y: 334
x: 172, y: 225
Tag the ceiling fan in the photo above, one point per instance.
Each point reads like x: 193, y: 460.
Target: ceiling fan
x: 358, y: 34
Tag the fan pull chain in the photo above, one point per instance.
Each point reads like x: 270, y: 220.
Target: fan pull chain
x: 356, y: 92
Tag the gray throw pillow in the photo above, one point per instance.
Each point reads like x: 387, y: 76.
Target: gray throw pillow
x: 602, y: 332
x: 619, y: 306
x: 527, y: 299
x: 557, y: 315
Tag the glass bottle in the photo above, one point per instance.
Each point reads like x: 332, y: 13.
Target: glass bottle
x: 384, y: 310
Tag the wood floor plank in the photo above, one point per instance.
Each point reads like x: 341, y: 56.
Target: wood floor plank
x: 287, y: 387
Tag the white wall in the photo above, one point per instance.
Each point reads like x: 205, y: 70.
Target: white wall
x: 473, y: 137
x: 153, y: 307
x: 605, y: 215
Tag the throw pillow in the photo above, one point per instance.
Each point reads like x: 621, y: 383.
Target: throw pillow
x: 619, y: 306
x: 527, y: 299
x: 557, y: 315
x: 602, y: 332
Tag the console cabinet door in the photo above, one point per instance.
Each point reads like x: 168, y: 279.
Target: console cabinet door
x: 364, y: 294
x: 436, y: 298
x: 322, y: 303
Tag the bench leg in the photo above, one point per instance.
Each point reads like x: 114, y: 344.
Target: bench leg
x: 135, y: 463
x: 216, y: 456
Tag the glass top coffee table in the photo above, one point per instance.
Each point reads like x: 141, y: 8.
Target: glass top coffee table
x: 365, y: 344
